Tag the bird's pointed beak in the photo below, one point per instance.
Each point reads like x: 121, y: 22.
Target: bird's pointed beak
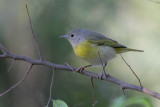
x: 64, y: 36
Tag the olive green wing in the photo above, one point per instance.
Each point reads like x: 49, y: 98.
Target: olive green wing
x: 101, y: 40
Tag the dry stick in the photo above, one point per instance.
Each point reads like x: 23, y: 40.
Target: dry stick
x: 11, y: 65
x: 124, y: 96
x: 21, y: 80
x: 69, y: 67
x: 35, y: 41
x: 93, y: 91
x: 9, y: 55
x: 37, y: 46
x: 132, y: 70
x: 50, y: 91
x: 3, y: 49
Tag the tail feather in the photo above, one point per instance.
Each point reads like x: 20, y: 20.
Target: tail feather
x: 122, y: 50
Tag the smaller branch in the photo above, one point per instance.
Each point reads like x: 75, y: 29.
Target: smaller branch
x: 3, y: 49
x: 132, y: 70
x: 10, y: 67
x: 50, y: 91
x: 35, y: 41
x: 69, y: 66
x: 93, y: 92
x: 124, y: 94
x: 14, y: 86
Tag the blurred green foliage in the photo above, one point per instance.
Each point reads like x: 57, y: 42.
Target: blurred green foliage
x: 132, y: 102
x: 134, y: 23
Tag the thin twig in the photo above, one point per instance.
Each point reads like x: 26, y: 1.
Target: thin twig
x: 124, y: 94
x: 34, y: 37
x: 132, y: 70
x: 69, y: 66
x: 50, y: 91
x: 93, y: 92
x: 12, y: 63
x: 3, y: 49
x: 20, y: 81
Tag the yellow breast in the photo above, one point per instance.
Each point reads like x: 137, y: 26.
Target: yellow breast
x: 89, y: 52
x: 86, y: 50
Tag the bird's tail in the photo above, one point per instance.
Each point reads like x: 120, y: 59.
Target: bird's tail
x: 122, y: 50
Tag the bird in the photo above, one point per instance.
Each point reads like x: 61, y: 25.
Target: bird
x: 94, y: 47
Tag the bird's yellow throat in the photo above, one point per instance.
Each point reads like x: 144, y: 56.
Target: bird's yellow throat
x: 86, y: 50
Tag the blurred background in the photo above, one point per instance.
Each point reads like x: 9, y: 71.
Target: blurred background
x: 134, y: 23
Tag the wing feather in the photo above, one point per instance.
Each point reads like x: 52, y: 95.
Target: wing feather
x: 101, y: 40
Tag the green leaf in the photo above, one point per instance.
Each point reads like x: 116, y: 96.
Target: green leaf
x: 59, y: 103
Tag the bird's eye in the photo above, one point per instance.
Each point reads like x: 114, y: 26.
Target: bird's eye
x: 72, y: 35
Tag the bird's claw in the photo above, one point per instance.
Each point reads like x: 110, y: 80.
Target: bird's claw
x: 101, y: 75
x: 80, y: 70
x: 107, y: 75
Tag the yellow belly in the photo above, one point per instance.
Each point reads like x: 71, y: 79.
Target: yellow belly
x: 89, y: 52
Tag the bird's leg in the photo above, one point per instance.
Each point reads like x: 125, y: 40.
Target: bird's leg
x: 105, y: 64
x: 103, y: 71
x: 82, y: 68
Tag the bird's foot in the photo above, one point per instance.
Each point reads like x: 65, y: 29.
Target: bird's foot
x: 81, y: 69
x: 101, y: 75
x: 106, y: 75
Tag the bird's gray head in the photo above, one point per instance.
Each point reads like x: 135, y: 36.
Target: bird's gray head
x: 77, y: 36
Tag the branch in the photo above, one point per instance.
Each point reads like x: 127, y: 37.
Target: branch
x: 131, y: 70
x: 122, y: 84
x: 50, y: 90
x: 34, y: 37
x: 21, y: 80
x: 94, y: 102
x: 3, y: 49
